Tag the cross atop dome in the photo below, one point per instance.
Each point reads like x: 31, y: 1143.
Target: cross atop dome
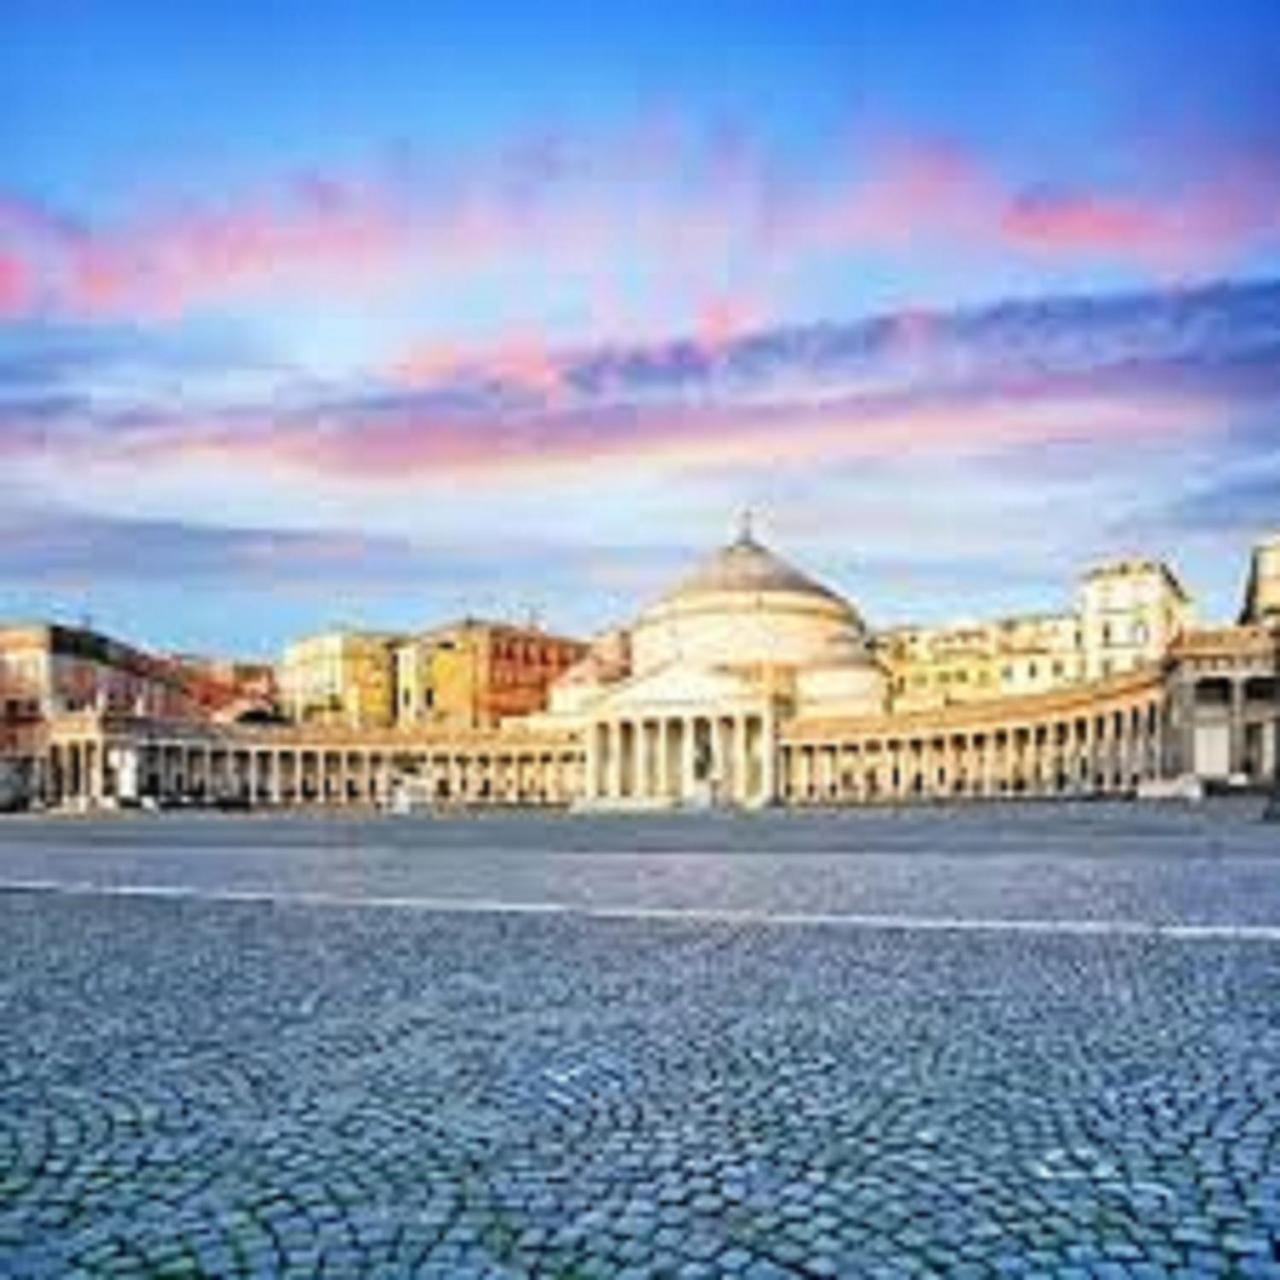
x: 746, y: 534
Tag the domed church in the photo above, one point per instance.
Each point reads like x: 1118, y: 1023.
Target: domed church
x: 682, y: 706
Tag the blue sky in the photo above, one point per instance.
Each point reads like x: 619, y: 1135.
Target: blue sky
x: 380, y: 312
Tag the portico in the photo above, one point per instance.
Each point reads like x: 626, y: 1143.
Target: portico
x: 660, y: 759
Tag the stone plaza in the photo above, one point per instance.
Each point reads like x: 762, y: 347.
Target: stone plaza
x: 1020, y: 1041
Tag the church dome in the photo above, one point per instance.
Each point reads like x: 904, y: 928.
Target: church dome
x: 842, y: 680
x: 745, y: 605
x: 746, y: 565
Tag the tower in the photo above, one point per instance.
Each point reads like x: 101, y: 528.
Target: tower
x: 1262, y: 592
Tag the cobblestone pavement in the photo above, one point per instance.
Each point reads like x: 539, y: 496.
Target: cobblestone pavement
x: 253, y: 1088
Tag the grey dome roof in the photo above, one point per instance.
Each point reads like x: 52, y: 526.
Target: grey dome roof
x: 744, y: 565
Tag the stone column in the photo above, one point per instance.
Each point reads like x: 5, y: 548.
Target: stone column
x: 742, y: 769
x: 721, y: 730
x: 591, y: 766
x: 768, y: 758
x: 688, y: 780
x: 662, y: 760
x: 1237, y: 756
x: 614, y: 755
x: 640, y: 759
x: 93, y: 772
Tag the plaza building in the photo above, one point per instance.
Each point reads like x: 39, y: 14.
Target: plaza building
x: 1128, y: 615
x: 747, y: 684
x: 230, y: 689
x: 475, y: 673
x: 50, y: 673
x: 342, y: 677
x: 472, y: 673
x: 47, y: 669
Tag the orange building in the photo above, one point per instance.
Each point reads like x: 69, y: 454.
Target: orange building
x: 475, y: 673
x: 48, y: 669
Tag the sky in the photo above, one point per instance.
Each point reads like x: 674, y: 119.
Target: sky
x: 380, y: 313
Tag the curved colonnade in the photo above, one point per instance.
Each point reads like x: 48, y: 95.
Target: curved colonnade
x: 1100, y: 739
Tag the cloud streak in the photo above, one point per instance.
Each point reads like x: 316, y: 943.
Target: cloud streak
x: 1110, y: 370
x: 700, y: 213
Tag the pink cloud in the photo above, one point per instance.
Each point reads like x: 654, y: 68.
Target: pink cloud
x: 683, y: 211
x: 364, y: 449
x: 724, y: 318
x: 1081, y: 221
x: 519, y: 361
x: 17, y: 284
x: 910, y: 187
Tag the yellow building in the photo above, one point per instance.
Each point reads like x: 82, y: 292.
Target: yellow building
x: 340, y: 677
x: 1129, y: 615
x: 1037, y: 652
x: 474, y: 673
x: 934, y: 666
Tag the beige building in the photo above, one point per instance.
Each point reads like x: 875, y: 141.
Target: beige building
x: 1131, y: 612
x: 969, y: 661
x: 1129, y: 615
x: 340, y: 677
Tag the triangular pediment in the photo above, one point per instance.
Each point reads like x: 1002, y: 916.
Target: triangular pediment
x: 680, y: 687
